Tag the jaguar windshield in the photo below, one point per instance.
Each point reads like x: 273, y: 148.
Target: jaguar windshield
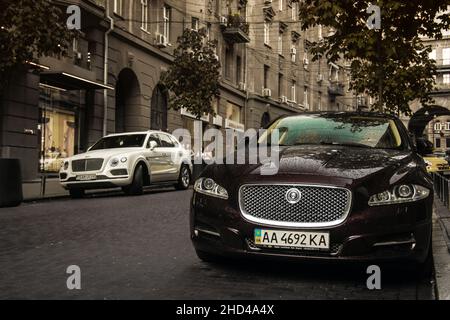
x: 355, y: 131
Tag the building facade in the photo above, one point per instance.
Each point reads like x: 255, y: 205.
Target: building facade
x: 438, y: 130
x: 109, y: 82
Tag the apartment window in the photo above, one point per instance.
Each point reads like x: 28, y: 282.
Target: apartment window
x: 118, y: 7
x: 238, y: 69
x: 446, y: 56
x: 267, y: 33
x: 208, y: 31
x: 294, y: 11
x: 319, y: 32
x: 432, y: 54
x: 195, y: 24
x: 305, y: 98
x: 144, y: 11
x: 281, y: 4
x: 228, y: 62
x: 294, y: 53
x: 280, y: 43
x: 167, y: 13
x: 438, y: 143
x: 294, y: 91
x: 266, y: 77
x: 446, y: 78
x: 437, y: 126
x: 233, y: 112
x: 280, y: 85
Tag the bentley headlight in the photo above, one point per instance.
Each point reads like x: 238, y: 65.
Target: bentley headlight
x: 209, y: 187
x: 114, y: 162
x: 399, y: 194
x: 65, y: 165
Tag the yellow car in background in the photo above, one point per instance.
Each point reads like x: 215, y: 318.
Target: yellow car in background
x: 436, y: 163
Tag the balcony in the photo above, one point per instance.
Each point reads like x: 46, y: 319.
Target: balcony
x: 336, y: 89
x: 236, y: 30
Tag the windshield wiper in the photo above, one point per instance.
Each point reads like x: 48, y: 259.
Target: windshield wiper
x: 347, y: 144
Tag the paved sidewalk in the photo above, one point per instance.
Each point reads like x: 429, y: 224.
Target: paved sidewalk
x: 441, y: 249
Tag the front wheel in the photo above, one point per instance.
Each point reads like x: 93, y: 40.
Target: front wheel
x: 184, y: 180
x: 425, y: 269
x: 136, y: 188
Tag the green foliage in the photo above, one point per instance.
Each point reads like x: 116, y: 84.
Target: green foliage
x: 193, y: 78
x: 30, y: 29
x: 393, y: 61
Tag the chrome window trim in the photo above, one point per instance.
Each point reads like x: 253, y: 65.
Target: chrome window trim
x: 303, y: 225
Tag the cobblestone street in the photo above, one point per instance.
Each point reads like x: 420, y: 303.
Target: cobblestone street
x: 139, y: 248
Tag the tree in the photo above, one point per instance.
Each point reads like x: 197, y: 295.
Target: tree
x: 29, y: 29
x: 193, y: 78
x: 392, y: 63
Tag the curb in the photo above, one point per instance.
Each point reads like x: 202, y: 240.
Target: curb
x: 441, y: 255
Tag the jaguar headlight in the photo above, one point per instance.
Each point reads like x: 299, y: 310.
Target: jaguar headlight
x: 209, y: 187
x: 399, y: 194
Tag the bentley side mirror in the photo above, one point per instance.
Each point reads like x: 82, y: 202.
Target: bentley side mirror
x: 152, y: 145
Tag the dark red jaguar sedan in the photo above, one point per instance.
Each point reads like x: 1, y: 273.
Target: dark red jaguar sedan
x: 349, y: 186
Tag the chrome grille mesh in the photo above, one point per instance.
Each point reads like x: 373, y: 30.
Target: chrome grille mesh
x: 87, y: 165
x: 318, y: 205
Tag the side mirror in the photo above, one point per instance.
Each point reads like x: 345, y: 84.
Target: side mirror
x: 152, y: 146
x: 424, y: 147
x: 414, y: 142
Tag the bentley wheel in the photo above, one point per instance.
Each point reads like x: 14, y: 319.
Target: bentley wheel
x: 136, y: 188
x: 185, y: 178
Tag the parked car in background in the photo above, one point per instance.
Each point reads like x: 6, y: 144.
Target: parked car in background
x: 436, y: 161
x: 349, y: 187
x: 130, y: 161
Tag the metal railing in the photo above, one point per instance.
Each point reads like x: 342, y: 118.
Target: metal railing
x: 442, y: 188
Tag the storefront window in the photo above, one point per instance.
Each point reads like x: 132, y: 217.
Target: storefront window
x: 233, y: 112
x: 58, y: 127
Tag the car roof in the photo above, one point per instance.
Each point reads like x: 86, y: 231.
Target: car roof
x: 136, y: 132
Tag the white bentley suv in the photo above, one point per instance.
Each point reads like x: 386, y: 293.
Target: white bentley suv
x: 130, y: 161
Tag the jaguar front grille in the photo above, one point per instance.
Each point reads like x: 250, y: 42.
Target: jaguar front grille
x: 313, y: 206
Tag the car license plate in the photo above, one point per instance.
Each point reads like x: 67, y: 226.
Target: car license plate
x: 87, y: 177
x: 291, y: 239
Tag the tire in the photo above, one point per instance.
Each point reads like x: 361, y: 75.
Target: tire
x: 208, y: 257
x: 184, y: 180
x: 76, y: 193
x: 425, y: 269
x: 136, y: 188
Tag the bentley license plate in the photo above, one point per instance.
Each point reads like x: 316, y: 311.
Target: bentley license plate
x: 292, y: 239
x: 87, y: 177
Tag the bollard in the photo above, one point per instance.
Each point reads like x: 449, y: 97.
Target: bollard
x: 10, y: 183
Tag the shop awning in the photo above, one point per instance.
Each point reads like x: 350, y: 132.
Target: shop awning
x: 68, y: 81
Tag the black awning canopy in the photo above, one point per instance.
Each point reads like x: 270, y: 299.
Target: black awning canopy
x: 68, y: 81
x: 421, y: 118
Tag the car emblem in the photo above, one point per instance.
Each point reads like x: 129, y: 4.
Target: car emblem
x: 293, y: 196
